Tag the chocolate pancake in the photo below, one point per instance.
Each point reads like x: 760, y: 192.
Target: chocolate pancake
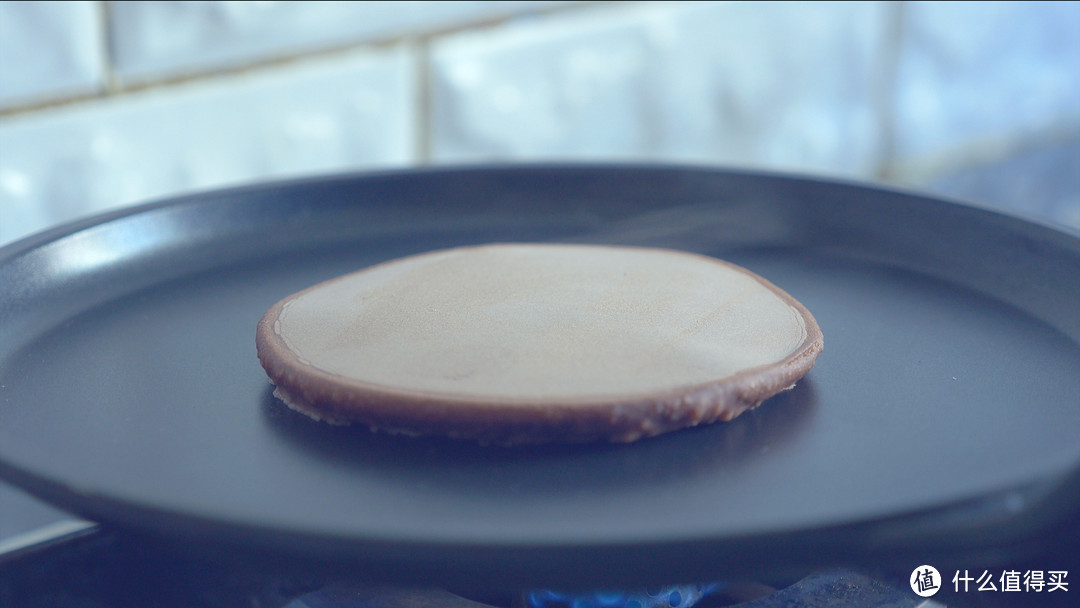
x: 536, y: 343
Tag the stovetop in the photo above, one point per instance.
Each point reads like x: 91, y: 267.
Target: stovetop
x: 80, y: 564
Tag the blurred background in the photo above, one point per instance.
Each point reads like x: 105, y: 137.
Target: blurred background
x: 106, y: 104
x: 109, y: 104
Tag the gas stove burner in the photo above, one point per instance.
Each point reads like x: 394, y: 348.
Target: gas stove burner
x: 678, y: 596
x: 837, y: 589
x: 107, y: 570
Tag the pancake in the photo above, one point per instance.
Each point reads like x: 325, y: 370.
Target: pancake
x: 537, y: 343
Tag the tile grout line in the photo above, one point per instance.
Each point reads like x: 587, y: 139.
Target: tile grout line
x: 108, y: 70
x: 984, y: 151
x: 423, y: 102
x: 887, y: 88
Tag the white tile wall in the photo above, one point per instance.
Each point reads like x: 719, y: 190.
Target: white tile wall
x: 550, y: 87
x: 49, y: 49
x: 829, y: 88
x: 156, y: 39
x: 353, y: 111
x: 977, y: 71
x: 786, y: 85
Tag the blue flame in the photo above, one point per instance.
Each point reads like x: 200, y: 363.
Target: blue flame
x: 676, y: 596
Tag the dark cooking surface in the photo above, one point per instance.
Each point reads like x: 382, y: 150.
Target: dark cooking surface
x: 130, y: 392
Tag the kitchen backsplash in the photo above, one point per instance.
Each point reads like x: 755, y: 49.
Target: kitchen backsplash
x: 106, y: 104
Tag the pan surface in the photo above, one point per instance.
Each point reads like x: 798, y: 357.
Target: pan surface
x: 130, y: 391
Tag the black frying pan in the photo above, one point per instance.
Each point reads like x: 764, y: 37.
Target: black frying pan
x: 942, y: 416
